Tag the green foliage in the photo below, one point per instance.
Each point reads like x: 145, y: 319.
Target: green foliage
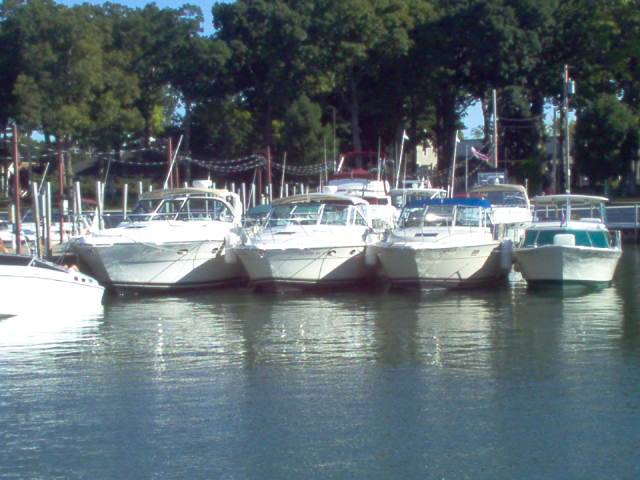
x: 606, y: 138
x: 276, y: 73
x: 303, y: 136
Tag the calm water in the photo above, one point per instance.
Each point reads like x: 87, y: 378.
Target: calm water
x: 235, y: 385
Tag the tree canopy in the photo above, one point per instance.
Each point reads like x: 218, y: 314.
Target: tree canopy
x: 297, y: 76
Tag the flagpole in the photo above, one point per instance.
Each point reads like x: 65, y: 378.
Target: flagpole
x: 466, y: 169
x: 453, y: 164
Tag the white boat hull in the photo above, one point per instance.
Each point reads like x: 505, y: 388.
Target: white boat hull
x: 31, y: 290
x: 418, y: 265
x: 319, y: 266
x: 144, y: 266
x: 567, y: 264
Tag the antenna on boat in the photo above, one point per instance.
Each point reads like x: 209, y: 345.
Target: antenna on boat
x: 173, y: 162
x: 453, y: 164
x: 404, y: 137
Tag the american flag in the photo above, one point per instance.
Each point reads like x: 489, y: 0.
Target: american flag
x: 480, y: 156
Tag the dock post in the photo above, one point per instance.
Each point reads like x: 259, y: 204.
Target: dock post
x: 635, y: 225
x: 125, y: 194
x: 36, y: 216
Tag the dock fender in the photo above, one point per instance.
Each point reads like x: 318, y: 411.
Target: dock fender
x: 370, y: 257
x: 231, y: 239
x: 370, y: 239
x: 506, y: 254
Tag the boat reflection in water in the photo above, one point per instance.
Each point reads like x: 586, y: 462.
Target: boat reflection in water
x: 391, y: 384
x: 47, y: 332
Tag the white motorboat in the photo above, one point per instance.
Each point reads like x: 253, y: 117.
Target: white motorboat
x: 310, y: 240
x: 510, y: 208
x: 569, y: 242
x: 173, y: 239
x: 29, y: 285
x: 443, y: 242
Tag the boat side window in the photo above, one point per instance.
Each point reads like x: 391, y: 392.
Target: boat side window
x: 205, y: 209
x: 144, y: 208
x: 305, y: 213
x: 221, y: 211
x: 335, y: 214
x: 468, y: 217
x: 397, y: 200
x: 278, y: 217
x: 582, y: 239
x: 545, y: 237
x: 194, y: 209
x: 515, y: 199
x: 601, y: 239
x: 359, y: 218
x: 438, y: 216
x: 530, y: 238
x: 411, y: 217
x: 169, y: 209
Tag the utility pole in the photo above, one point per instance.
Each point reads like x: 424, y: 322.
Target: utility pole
x: 495, y: 130
x: 554, y: 159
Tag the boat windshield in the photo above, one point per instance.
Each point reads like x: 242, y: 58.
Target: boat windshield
x: 442, y: 216
x: 502, y: 198
x: 313, y: 214
x: 582, y: 238
x: 181, y: 208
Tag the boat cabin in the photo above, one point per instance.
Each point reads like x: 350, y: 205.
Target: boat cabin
x: 447, y: 212
x: 318, y: 209
x: 502, y: 195
x: 571, y: 220
x: 187, y: 204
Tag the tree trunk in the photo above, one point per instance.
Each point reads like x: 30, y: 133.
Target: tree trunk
x: 355, y: 117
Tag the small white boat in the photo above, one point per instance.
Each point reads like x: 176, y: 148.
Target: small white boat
x: 309, y: 240
x: 443, y: 242
x: 173, y: 239
x: 29, y: 285
x: 510, y: 208
x: 569, y: 242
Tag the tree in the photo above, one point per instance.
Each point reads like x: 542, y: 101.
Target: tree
x: 153, y: 38
x: 606, y: 138
x: 60, y: 67
x: 358, y: 39
x: 303, y: 135
x: 269, y: 44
